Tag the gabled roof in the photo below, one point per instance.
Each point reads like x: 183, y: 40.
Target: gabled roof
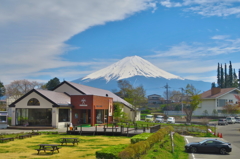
x: 56, y: 98
x: 208, y: 95
x: 95, y: 91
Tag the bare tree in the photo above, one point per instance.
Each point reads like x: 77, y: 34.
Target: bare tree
x: 191, y: 101
x: 176, y: 96
x: 18, y: 88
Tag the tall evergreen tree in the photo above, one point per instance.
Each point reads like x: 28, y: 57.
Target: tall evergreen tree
x: 222, y: 78
x: 218, y: 76
x: 2, y: 90
x: 235, y: 80
x: 239, y: 78
x: 230, y: 79
x: 226, y: 79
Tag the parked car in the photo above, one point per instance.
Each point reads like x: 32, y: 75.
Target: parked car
x: 209, y: 145
x: 237, y: 119
x: 171, y: 120
x: 159, y: 119
x: 222, y: 122
x: 149, y: 118
x: 231, y: 120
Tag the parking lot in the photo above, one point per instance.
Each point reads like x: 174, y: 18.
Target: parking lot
x: 232, y: 155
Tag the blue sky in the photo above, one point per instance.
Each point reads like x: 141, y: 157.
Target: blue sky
x: 44, y: 39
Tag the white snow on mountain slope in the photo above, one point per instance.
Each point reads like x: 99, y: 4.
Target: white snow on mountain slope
x: 129, y: 67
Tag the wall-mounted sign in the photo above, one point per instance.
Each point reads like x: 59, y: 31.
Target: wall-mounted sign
x: 110, y: 109
x: 83, y: 104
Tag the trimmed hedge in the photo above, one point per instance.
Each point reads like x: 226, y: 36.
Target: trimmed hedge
x: 139, y: 148
x: 140, y: 137
x: 135, y: 150
x: 110, y: 152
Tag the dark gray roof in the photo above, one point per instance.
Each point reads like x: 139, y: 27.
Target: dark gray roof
x: 99, y: 92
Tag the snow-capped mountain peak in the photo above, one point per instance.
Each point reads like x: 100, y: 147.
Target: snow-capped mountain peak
x: 129, y: 67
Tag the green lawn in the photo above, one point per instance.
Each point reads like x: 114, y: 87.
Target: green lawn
x: 25, y: 148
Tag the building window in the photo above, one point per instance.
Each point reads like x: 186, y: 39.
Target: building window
x: 3, y: 119
x: 64, y: 115
x: 33, y: 102
x: 221, y: 102
x: 99, y: 116
x: 230, y: 101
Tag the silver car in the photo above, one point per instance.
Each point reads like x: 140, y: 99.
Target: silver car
x: 222, y: 122
x: 237, y: 119
x: 159, y: 120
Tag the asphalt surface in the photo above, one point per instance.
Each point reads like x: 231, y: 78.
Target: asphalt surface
x: 232, y: 155
x: 230, y: 134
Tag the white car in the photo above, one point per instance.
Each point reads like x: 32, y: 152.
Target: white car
x: 231, y: 120
x: 149, y: 118
x: 171, y: 120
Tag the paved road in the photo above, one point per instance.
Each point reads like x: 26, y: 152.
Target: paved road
x: 231, y: 133
x: 233, y: 155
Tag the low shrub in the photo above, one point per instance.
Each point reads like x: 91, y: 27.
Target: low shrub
x: 140, y: 137
x: 110, y: 152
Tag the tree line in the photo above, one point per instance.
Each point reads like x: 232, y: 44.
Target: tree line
x: 226, y: 79
x: 18, y: 88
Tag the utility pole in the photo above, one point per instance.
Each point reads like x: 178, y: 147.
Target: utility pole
x: 167, y: 87
x: 182, y: 98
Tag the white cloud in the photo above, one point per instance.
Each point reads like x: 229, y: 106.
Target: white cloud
x: 202, y: 78
x: 33, y: 32
x: 207, y: 7
x: 196, y: 60
x: 219, y: 37
x: 169, y: 4
x: 196, y: 50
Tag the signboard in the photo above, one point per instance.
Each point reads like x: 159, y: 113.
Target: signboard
x: 83, y: 104
x: 110, y: 109
x: 3, y: 114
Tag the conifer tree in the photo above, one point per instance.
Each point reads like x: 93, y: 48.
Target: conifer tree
x: 222, y: 78
x: 218, y: 76
x: 226, y: 79
x: 230, y: 79
x: 235, y: 80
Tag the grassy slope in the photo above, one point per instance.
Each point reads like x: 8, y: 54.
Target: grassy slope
x: 164, y: 151
x: 25, y: 148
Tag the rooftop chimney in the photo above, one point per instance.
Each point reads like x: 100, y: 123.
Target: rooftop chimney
x: 215, y: 90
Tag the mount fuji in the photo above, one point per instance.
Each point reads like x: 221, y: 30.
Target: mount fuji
x: 138, y: 72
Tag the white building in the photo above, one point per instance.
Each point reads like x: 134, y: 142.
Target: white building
x: 216, y: 99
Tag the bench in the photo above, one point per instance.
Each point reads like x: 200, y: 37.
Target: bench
x: 24, y: 136
x: 73, y: 142
x: 48, y: 149
x: 7, y: 139
x: 69, y: 140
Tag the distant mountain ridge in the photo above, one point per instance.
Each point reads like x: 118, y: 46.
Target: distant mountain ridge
x: 138, y: 72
